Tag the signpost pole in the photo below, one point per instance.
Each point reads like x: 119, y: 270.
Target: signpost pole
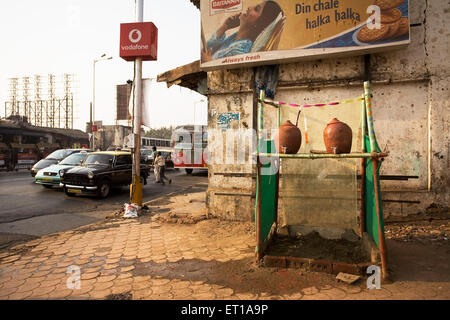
x: 136, y: 187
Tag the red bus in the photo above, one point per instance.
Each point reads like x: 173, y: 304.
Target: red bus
x: 189, y: 147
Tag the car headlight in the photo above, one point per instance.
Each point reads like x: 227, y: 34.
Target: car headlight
x: 90, y: 175
x: 61, y: 173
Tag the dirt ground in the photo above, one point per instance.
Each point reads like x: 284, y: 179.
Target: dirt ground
x: 419, y: 251
x: 313, y: 246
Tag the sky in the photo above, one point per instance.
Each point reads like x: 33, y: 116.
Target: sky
x: 65, y: 36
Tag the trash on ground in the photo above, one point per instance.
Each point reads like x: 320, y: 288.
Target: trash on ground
x: 347, y: 278
x: 131, y: 210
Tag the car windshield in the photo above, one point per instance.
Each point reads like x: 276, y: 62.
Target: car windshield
x: 74, y: 159
x: 59, y: 154
x: 98, y: 159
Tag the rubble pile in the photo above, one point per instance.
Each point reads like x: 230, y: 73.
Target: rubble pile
x: 437, y: 231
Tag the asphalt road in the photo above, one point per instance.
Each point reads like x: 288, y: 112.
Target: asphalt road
x: 30, y: 210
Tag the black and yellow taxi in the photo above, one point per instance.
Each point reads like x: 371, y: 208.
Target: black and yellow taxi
x: 100, y: 171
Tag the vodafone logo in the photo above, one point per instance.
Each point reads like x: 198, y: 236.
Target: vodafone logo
x: 132, y: 38
x: 138, y: 40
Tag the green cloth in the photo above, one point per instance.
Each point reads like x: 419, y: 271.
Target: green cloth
x: 268, y: 194
x: 371, y: 207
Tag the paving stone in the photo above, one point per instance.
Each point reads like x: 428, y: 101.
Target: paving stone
x: 5, y: 292
x: 110, y: 266
x: 121, y: 289
x: 87, y: 276
x: 10, y: 259
x: 161, y: 289
x: 310, y: 291
x: 39, y: 274
x: 208, y: 295
x: 246, y: 296
x: 26, y: 287
x: 142, y: 294
x: 335, y: 293
x: 20, y: 295
x: 103, y: 286
x: 99, y: 294
x: 108, y: 278
x: 126, y: 269
x: 383, y: 293
x: 81, y: 262
x: 350, y: 289
x: 112, y: 260
x: 180, y: 294
x: 42, y: 291
x: 160, y: 282
x: 122, y: 282
x: 317, y: 296
x: 162, y: 296
x: 224, y: 292
x: 12, y: 284
x: 5, y: 279
x: 51, y: 283
x: 46, y: 267
x: 124, y: 276
x: 36, y: 279
x: 20, y: 262
x: 59, y: 270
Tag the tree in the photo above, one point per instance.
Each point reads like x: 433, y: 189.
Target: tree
x: 161, y: 133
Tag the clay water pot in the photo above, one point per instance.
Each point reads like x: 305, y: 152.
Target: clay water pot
x: 337, y: 137
x: 288, y: 138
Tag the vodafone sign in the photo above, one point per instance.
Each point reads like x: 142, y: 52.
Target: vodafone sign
x: 138, y: 40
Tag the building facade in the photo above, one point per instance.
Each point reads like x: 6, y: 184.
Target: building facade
x: 410, y: 108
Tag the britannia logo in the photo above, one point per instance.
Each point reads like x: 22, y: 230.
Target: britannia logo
x: 132, y: 38
x: 219, y: 6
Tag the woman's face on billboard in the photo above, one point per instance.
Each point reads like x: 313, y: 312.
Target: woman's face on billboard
x: 252, y: 14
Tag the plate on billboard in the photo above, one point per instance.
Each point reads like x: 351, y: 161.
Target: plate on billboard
x: 237, y: 33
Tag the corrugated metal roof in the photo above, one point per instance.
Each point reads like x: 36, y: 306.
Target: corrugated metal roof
x: 73, y: 133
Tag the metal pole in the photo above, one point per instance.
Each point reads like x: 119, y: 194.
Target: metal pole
x: 136, y: 188
x: 93, y: 107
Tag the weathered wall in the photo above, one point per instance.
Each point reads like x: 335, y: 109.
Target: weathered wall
x: 231, y: 185
x: 411, y: 114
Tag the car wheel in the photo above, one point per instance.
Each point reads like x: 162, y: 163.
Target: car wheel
x: 103, y: 189
x: 68, y: 193
x: 47, y: 186
x: 189, y: 171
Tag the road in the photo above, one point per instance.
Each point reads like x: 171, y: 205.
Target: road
x: 28, y: 210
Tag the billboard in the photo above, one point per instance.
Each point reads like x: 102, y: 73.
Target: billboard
x: 123, y: 93
x: 237, y: 33
x: 138, y: 40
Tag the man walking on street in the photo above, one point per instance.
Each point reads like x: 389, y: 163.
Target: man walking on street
x: 155, y: 167
x: 160, y: 165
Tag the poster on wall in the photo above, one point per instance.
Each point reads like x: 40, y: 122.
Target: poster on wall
x: 238, y: 33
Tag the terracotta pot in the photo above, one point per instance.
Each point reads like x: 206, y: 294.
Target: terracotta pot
x: 288, y: 138
x: 337, y: 137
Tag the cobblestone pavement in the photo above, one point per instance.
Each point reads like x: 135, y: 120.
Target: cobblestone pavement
x: 142, y: 259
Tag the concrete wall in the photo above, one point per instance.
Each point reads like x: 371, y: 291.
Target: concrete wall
x: 411, y: 115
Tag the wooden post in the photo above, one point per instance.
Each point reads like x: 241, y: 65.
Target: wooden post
x: 278, y: 174
x: 380, y: 232
x: 258, y: 181
x: 362, y: 215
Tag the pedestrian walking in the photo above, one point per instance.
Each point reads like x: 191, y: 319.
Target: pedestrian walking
x: 161, y: 165
x: 156, y: 169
